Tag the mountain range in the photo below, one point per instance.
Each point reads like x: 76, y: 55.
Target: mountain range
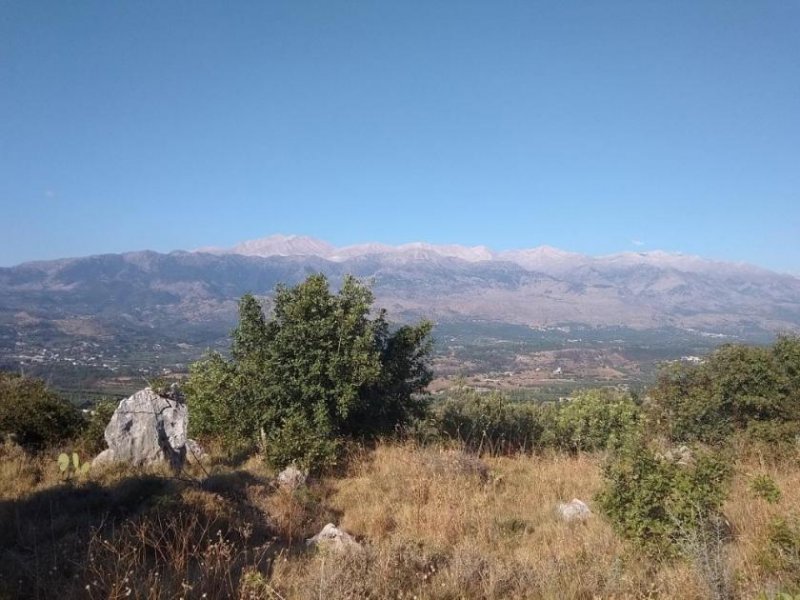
x: 190, y: 296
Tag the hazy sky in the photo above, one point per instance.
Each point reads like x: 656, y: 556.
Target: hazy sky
x: 592, y: 126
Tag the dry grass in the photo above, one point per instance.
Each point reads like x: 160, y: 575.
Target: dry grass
x: 434, y: 523
x: 751, y: 516
x: 457, y: 534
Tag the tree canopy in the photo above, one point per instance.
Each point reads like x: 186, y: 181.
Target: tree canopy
x: 737, y: 387
x: 320, y: 368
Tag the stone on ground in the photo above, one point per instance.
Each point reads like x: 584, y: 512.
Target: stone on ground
x: 147, y: 429
x: 333, y: 538
x: 574, y: 510
x: 291, y: 478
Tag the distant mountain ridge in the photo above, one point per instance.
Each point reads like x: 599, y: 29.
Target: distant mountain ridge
x: 190, y: 298
x: 546, y: 259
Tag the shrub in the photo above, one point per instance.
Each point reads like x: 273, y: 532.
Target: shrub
x: 596, y: 419
x: 683, y: 406
x: 298, y: 441
x: 224, y: 402
x: 737, y: 388
x: 320, y: 369
x: 764, y: 486
x: 781, y: 435
x: 34, y: 415
x: 655, y: 500
x: 92, y: 438
x: 491, y: 423
x: 780, y: 554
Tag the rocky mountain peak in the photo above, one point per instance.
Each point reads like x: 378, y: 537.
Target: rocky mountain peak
x: 284, y: 245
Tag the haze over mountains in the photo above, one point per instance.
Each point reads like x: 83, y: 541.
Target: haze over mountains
x: 189, y: 297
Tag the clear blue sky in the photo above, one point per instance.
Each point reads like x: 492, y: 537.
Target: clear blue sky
x: 592, y: 126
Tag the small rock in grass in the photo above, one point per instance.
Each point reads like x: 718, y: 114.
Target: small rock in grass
x: 574, y: 510
x: 333, y: 538
x: 292, y: 477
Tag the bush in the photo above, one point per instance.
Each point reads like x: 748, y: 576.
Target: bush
x: 491, y: 423
x: 780, y: 553
x: 781, y: 436
x: 596, y: 419
x: 92, y: 439
x: 319, y: 370
x: 224, y: 402
x: 738, y: 387
x: 657, y: 501
x: 34, y: 415
x: 298, y: 441
x: 764, y: 486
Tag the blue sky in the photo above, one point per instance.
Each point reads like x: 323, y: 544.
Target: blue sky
x: 592, y: 126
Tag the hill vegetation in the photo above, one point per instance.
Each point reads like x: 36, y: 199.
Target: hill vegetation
x: 690, y: 485
x: 318, y: 371
x: 112, y: 320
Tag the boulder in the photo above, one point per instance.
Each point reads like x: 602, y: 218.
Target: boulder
x: 291, y: 478
x: 106, y: 457
x: 574, y: 510
x: 147, y: 429
x: 333, y: 538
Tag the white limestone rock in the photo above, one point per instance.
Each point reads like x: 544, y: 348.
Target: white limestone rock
x: 291, y: 478
x: 334, y: 539
x: 573, y: 511
x: 106, y: 457
x: 147, y: 429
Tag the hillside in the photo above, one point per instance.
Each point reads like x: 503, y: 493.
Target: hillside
x: 138, y: 308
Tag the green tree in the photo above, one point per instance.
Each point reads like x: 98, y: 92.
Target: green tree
x: 738, y: 387
x: 393, y: 399
x: 319, y: 369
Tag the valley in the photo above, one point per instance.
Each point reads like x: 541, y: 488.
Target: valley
x: 535, y: 322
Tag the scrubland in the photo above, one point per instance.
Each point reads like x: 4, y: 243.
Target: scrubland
x: 433, y: 522
x: 692, y: 484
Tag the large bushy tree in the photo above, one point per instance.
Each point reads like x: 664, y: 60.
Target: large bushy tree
x: 318, y: 369
x: 737, y: 387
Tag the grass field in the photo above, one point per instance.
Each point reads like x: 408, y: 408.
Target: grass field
x: 433, y: 523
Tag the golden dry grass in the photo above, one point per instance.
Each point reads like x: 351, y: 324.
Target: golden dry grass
x: 474, y: 537
x: 434, y: 523
x: 751, y: 517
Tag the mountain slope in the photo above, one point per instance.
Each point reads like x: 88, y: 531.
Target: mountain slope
x: 143, y: 299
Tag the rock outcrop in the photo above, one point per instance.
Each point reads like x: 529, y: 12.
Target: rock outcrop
x: 334, y: 539
x: 291, y: 478
x: 574, y: 510
x: 147, y: 428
